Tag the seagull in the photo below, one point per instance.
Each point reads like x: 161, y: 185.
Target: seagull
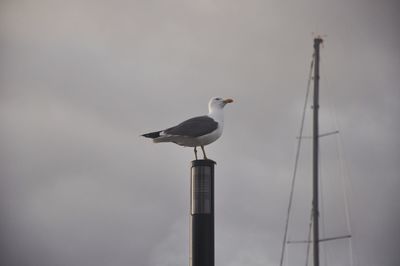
x: 196, y: 131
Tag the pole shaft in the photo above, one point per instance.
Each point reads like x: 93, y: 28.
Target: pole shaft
x: 202, y: 213
x: 317, y: 43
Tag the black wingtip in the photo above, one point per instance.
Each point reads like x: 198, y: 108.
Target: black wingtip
x: 152, y: 135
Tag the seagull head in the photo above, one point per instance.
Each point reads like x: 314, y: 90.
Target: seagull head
x: 218, y: 103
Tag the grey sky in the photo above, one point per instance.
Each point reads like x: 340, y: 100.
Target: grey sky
x: 81, y: 80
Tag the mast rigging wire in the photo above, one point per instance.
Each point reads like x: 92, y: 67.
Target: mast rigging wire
x: 309, y: 237
x: 344, y: 173
x: 296, y: 161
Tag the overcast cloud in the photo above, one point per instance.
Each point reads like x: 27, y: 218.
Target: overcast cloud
x: 81, y: 80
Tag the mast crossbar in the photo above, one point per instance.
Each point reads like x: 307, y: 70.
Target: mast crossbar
x: 321, y: 135
x: 321, y: 240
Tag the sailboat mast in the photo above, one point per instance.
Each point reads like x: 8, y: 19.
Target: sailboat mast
x: 317, y: 42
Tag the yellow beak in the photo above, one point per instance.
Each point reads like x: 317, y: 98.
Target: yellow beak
x: 227, y: 101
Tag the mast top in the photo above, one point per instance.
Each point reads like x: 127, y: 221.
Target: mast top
x: 318, y: 40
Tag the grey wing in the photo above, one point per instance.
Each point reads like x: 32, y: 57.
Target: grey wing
x: 194, y: 127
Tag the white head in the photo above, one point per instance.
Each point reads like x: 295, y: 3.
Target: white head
x: 217, y: 103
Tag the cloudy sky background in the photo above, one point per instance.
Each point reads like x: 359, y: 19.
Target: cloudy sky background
x: 81, y: 80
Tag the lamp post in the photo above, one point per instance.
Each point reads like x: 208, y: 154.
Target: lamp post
x: 202, y: 213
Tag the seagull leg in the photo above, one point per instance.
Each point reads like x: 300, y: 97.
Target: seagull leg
x: 195, y: 152
x: 204, y: 153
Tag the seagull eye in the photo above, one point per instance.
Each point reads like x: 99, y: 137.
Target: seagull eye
x: 218, y: 99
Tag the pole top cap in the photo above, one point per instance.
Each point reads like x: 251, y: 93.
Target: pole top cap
x: 205, y: 162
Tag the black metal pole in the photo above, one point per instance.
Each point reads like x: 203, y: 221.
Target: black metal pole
x: 317, y: 43
x: 202, y: 213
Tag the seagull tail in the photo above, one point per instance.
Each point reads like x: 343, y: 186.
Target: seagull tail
x: 152, y: 135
